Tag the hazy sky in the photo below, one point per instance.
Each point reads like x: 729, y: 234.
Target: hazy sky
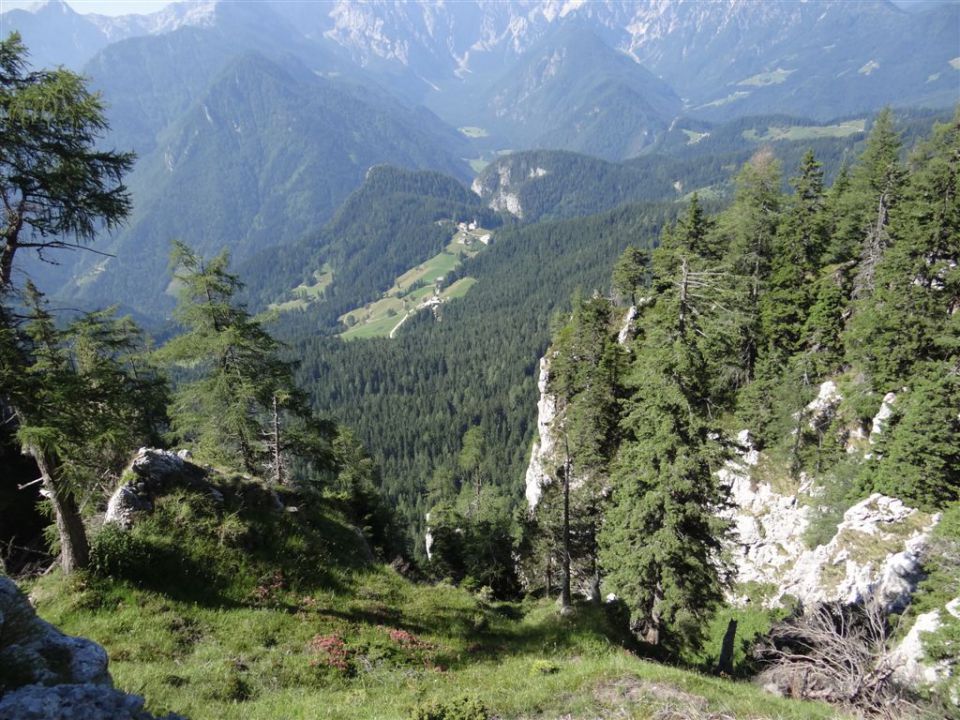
x: 124, y: 7
x: 103, y: 7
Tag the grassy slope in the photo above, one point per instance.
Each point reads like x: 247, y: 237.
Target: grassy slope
x: 403, y: 644
x: 246, y: 611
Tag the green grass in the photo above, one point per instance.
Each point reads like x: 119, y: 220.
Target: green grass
x: 379, y: 327
x: 693, y: 137
x: 477, y: 164
x: 430, y: 271
x: 732, y: 97
x: 375, y: 319
x: 774, y: 77
x: 806, y: 132
x: 304, y: 294
x: 246, y: 612
x: 460, y: 288
x: 391, y: 646
x: 473, y: 132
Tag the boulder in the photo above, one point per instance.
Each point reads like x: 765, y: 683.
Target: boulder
x: 74, y: 702
x: 34, y: 651
x: 46, y: 675
x: 153, y: 472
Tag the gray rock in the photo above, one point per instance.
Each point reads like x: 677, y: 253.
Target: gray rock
x: 154, y: 472
x: 74, y: 702
x: 34, y: 651
x: 46, y: 675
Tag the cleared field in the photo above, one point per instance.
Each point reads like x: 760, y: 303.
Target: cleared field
x: 460, y: 288
x: 430, y: 271
x: 806, y: 132
x: 304, y: 294
x: 732, y: 97
x: 774, y: 77
x: 693, y: 137
x: 380, y: 327
x: 414, y: 287
x: 472, y: 131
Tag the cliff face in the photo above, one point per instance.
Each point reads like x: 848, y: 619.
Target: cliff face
x: 876, y: 551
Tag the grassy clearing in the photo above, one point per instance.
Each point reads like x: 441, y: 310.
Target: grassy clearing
x: 807, y: 132
x: 693, y: 137
x: 460, y: 288
x: 732, y: 97
x: 412, y: 288
x: 377, y: 648
x: 471, y: 131
x: 304, y: 294
x: 477, y: 164
x: 775, y: 77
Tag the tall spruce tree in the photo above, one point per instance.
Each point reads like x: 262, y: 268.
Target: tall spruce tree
x: 910, y: 317
x: 661, y: 539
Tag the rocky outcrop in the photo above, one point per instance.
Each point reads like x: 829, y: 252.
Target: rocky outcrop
x: 875, y: 554
x: 75, y: 702
x: 45, y: 674
x: 543, y: 455
x: 153, y: 472
x: 32, y: 651
x: 912, y: 668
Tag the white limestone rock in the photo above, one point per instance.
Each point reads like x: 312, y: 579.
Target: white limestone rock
x: 542, y: 455
x: 152, y: 472
x: 882, y: 417
x: 876, y: 552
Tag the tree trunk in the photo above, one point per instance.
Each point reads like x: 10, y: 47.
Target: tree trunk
x: 74, y: 548
x: 652, y: 631
x: 278, y: 469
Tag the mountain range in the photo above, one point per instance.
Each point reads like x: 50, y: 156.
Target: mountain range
x: 253, y: 122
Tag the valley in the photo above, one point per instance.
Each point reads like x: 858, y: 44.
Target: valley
x: 419, y: 288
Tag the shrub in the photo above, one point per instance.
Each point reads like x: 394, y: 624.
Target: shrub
x: 118, y: 553
x: 461, y: 708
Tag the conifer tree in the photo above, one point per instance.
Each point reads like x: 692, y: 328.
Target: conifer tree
x: 876, y: 188
x: 56, y: 185
x: 911, y: 315
x: 85, y: 398
x: 237, y: 383
x: 660, y: 542
x: 919, y: 457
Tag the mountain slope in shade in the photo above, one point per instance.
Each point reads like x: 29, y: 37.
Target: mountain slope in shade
x: 266, y: 154
x: 574, y: 92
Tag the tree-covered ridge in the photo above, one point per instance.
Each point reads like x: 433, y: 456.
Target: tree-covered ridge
x: 397, y: 219
x: 744, y: 316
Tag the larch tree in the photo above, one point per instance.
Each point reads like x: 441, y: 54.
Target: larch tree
x: 58, y: 188
x: 237, y: 394
x: 85, y: 397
